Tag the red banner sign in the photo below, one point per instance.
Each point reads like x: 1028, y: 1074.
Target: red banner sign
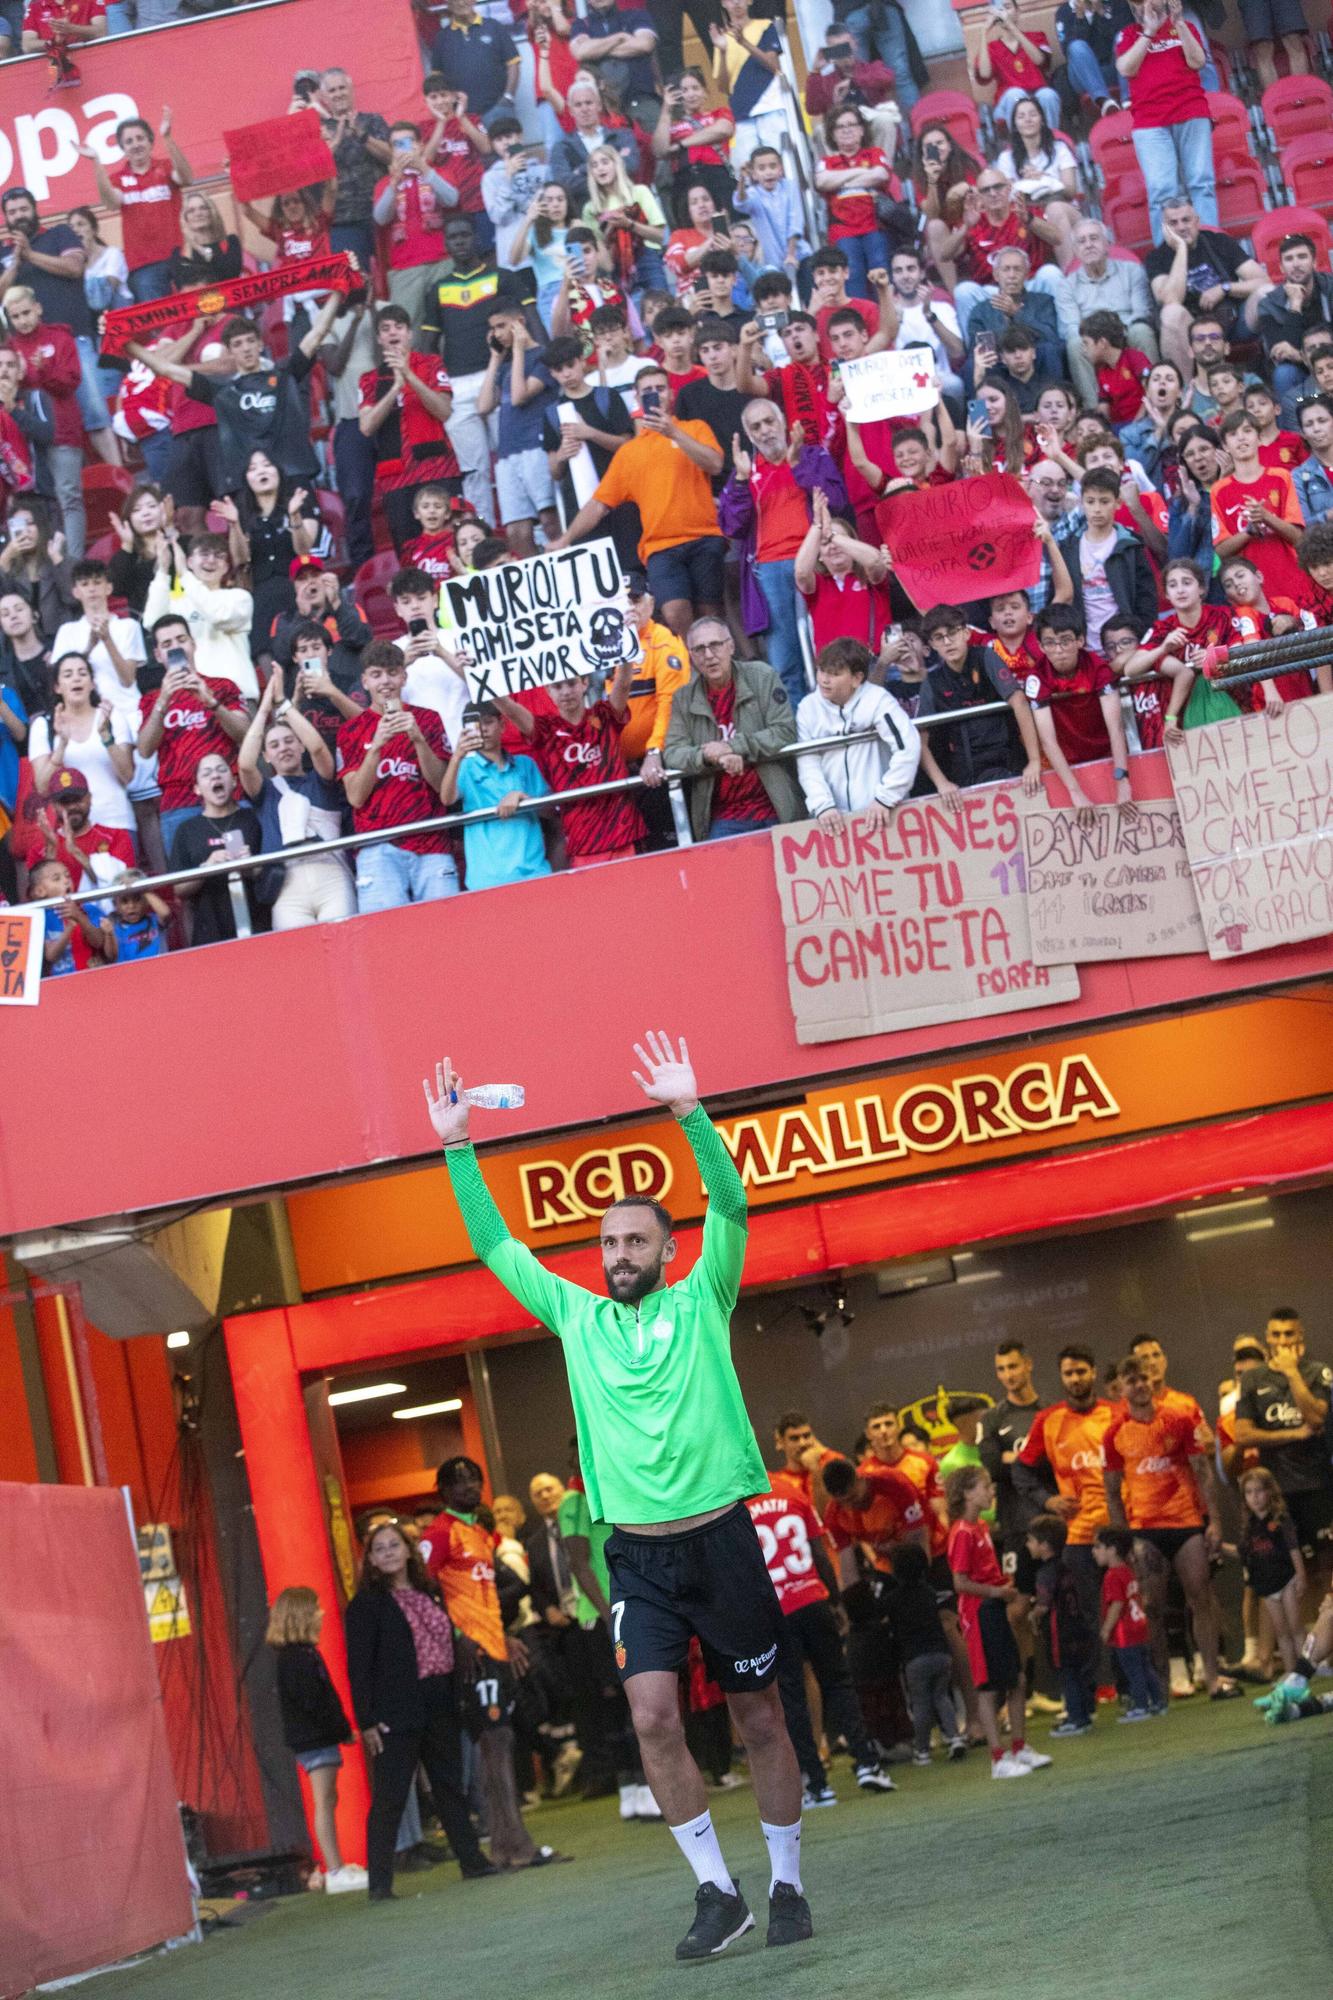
x: 334, y: 273
x: 277, y: 155
x: 950, y: 544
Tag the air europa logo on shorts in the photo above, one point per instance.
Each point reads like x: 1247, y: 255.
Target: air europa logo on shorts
x: 756, y: 1665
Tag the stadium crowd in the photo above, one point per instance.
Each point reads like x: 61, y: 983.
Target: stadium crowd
x: 940, y: 1581
x: 635, y: 325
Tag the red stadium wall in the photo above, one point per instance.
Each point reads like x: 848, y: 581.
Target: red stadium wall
x: 258, y: 51
x: 544, y: 982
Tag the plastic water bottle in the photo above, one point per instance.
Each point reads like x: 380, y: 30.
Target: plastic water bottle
x: 495, y: 1096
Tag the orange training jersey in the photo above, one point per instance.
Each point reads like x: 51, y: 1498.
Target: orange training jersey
x: 1071, y: 1443
x: 894, y: 1512
x: 924, y: 1473
x: 462, y: 1555
x: 1182, y: 1405
x: 800, y: 1483
x: 1159, y: 1489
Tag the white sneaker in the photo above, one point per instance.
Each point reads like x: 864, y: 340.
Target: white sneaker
x: 345, y: 1879
x: 1032, y: 1759
x: 629, y: 1801
x: 1008, y: 1767
x: 871, y: 1778
x: 646, y: 1806
x: 811, y: 1799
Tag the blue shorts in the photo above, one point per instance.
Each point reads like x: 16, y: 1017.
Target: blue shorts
x: 695, y: 571
x: 319, y: 1760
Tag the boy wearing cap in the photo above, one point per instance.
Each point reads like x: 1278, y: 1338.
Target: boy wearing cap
x: 481, y: 775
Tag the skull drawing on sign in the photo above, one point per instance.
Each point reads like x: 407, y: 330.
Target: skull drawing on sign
x: 611, y: 639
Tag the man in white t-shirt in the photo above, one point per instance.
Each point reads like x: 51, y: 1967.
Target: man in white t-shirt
x: 922, y: 317
x: 435, y: 676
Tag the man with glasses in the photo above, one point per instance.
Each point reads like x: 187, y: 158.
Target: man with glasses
x: 1302, y: 303
x: 723, y: 721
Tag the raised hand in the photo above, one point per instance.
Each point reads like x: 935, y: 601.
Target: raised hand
x: 741, y: 461
x: 448, y: 1108
x: 670, y: 1076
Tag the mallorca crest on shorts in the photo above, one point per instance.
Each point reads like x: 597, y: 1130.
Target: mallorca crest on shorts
x: 621, y: 1656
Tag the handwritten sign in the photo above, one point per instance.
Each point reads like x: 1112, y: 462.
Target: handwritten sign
x: 1255, y: 798
x: 1120, y: 888
x: 534, y: 623
x: 277, y: 156
x: 892, y: 384
x: 22, y: 934
x: 920, y: 921
x: 974, y: 538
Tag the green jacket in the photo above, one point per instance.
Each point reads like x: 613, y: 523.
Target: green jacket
x: 764, y: 722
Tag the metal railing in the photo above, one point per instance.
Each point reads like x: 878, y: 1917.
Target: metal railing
x: 674, y: 783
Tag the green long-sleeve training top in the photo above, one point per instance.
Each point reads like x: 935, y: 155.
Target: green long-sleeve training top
x: 663, y: 1429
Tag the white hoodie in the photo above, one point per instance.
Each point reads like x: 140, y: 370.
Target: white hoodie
x: 859, y: 774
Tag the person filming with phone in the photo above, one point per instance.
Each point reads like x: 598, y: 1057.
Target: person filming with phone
x: 184, y: 720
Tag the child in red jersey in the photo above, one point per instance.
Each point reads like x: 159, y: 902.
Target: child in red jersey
x: 1170, y: 647
x: 432, y: 550
x: 1125, y: 1624
x: 579, y: 746
x: 1256, y: 615
x: 1284, y: 449
x: 983, y: 1611
x: 1085, y: 723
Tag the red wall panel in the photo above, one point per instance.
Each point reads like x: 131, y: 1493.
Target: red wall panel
x: 687, y: 940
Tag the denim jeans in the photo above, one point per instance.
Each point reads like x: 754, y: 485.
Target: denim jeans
x: 1145, y: 1689
x: 1087, y: 74
x: 92, y: 403
x: 1078, y: 1685
x: 889, y: 44
x: 782, y: 642
x: 1048, y: 99
x: 169, y: 821
x: 1178, y: 159
x: 864, y: 254
x: 727, y: 829
x: 356, y: 236
x: 387, y: 877
x: 66, y: 463
x: 156, y: 451
x: 473, y: 438
x: 149, y: 282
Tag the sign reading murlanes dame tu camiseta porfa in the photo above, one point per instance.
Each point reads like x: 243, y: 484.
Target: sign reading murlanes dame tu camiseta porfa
x: 920, y: 921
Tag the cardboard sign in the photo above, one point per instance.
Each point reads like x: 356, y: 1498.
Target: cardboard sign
x: 533, y: 623
x: 923, y: 920
x: 891, y: 384
x: 1120, y: 888
x: 278, y: 155
x: 950, y: 544
x: 22, y: 934
x: 1255, y: 798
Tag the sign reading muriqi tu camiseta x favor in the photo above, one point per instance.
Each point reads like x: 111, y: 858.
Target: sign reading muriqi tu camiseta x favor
x: 1255, y: 798
x: 531, y: 623
x: 923, y: 920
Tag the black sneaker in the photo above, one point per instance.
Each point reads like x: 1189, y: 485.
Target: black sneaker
x: 788, y: 1916
x: 719, y: 1920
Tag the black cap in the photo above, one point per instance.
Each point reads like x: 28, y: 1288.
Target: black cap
x: 636, y: 583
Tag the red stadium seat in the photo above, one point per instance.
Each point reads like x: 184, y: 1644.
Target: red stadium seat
x: 1270, y: 229
x: 1307, y: 169
x: 1230, y: 119
x: 1240, y: 195
x: 1126, y: 216
x: 104, y: 490
x: 951, y: 108
x: 372, y: 592
x: 335, y: 520
x: 1297, y: 104
x: 1112, y: 146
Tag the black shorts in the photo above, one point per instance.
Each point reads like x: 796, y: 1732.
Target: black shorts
x: 1004, y: 1669
x: 1311, y: 1515
x: 692, y: 570
x: 1168, y: 1541
x: 194, y: 470
x: 940, y: 1578
x: 709, y: 1584
x: 488, y: 1701
x: 1019, y: 1566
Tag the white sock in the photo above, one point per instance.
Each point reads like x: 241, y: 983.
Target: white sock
x: 784, y: 1853
x: 699, y: 1844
